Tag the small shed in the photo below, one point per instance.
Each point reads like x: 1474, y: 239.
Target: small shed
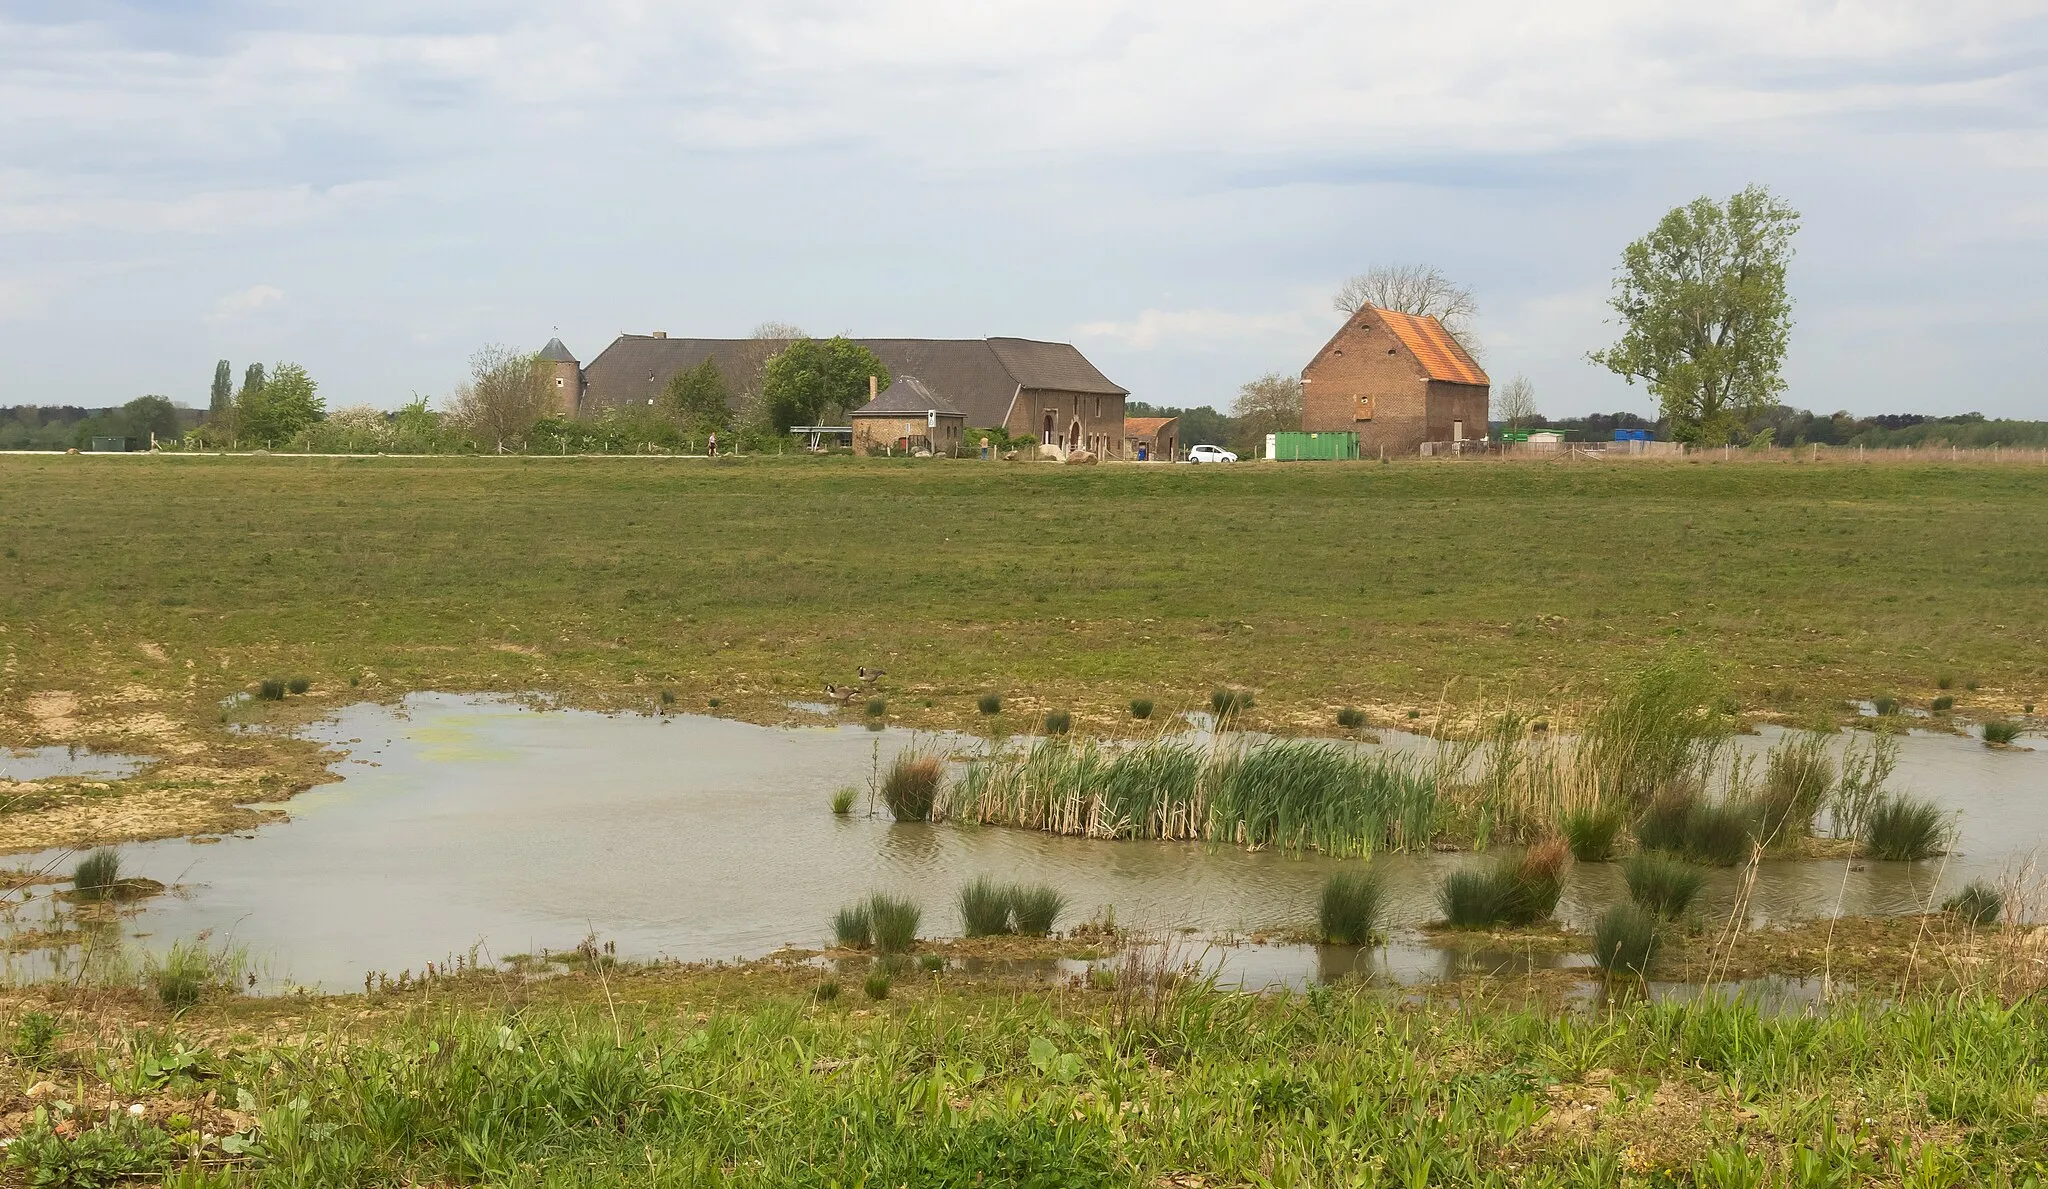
x: 1152, y: 439
x: 906, y: 418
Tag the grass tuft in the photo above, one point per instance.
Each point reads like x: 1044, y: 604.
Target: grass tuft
x: 1662, y: 884
x: 1945, y: 681
x: 852, y: 928
x: 271, y: 689
x: 894, y: 921
x: 1058, y: 722
x: 1717, y: 833
x: 298, y: 685
x: 1905, y: 829
x: 2001, y: 732
x: 1352, y: 904
x: 97, y: 874
x: 828, y: 990
x: 1036, y: 908
x: 1884, y: 705
x: 1471, y: 899
x: 989, y: 703
x: 877, y: 707
x: 1944, y: 704
x: 1592, y: 831
x: 984, y: 908
x: 1226, y: 701
x: 877, y: 984
x: 1977, y: 904
x: 1141, y: 708
x: 1351, y: 718
x: 1625, y: 939
x: 912, y: 786
x: 843, y: 799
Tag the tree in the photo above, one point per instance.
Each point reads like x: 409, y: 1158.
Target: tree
x: 1411, y: 289
x: 1705, y: 314
x: 809, y: 379
x: 148, y: 416
x: 1515, y: 403
x: 222, y: 406
x: 279, y: 405
x: 1269, y: 404
x: 698, y: 399
x: 506, y: 393
x: 252, y: 380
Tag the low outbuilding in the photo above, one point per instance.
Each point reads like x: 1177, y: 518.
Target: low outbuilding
x: 1152, y: 439
x: 906, y: 418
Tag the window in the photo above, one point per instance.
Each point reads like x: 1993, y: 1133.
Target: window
x: 558, y: 381
x: 1364, y: 408
x: 1098, y: 408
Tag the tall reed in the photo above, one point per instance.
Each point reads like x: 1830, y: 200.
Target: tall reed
x: 1662, y: 884
x: 1625, y: 940
x: 1660, y: 731
x: 1351, y: 907
x: 912, y: 786
x: 984, y: 908
x: 894, y: 921
x: 97, y: 875
x: 1592, y: 831
x: 1798, y: 777
x: 1905, y: 829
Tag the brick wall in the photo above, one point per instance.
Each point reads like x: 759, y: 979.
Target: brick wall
x: 1366, y: 382
x: 1101, y: 418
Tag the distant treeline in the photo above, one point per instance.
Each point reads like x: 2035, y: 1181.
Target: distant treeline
x: 63, y: 427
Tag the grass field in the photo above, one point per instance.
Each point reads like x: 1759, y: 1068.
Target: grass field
x: 143, y: 590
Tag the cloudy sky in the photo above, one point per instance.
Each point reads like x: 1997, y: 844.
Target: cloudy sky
x: 375, y: 189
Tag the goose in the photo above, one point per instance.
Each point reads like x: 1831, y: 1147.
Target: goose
x: 839, y: 693
x: 870, y: 676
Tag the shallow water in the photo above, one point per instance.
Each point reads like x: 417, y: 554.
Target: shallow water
x: 468, y: 821
x: 43, y: 763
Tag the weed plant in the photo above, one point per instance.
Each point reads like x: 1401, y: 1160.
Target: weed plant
x: 1141, y: 708
x: 1662, y: 884
x: 989, y: 704
x: 877, y: 984
x: 2001, y: 732
x: 843, y: 798
x: 1352, y: 905
x: 1977, y: 904
x: 1058, y: 722
x: 97, y: 875
x: 35, y: 1039
x: 1625, y: 940
x: 1592, y: 831
x: 1905, y: 829
x: 984, y: 908
x: 911, y: 786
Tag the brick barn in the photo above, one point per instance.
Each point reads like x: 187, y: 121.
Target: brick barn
x: 906, y: 418
x: 1048, y: 391
x: 1397, y: 380
x: 1159, y: 438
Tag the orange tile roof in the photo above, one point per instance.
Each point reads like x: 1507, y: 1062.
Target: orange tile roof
x: 1429, y: 342
x: 1143, y: 426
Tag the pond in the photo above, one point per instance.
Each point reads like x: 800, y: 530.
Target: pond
x: 45, y: 763
x: 464, y: 821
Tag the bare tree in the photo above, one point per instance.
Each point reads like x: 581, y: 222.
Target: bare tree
x: 778, y: 330
x: 507, y: 391
x: 1515, y: 402
x: 1269, y: 404
x: 1410, y: 289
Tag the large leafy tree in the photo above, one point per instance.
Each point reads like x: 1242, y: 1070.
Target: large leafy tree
x: 810, y: 378
x: 506, y: 395
x: 223, y: 403
x: 280, y: 405
x: 1705, y: 314
x: 698, y: 399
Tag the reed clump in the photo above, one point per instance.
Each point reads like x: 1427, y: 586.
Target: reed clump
x: 1977, y: 904
x: 1592, y: 831
x: 1513, y: 890
x: 984, y: 908
x: 911, y: 787
x: 1352, y: 904
x: 1350, y: 718
x: 1036, y: 908
x: 1141, y: 708
x: 877, y: 707
x: 1905, y: 829
x: 1662, y: 884
x: 2001, y: 732
x: 1229, y: 701
x: 988, y: 908
x: 98, y: 875
x: 877, y: 984
x: 1717, y: 833
x: 894, y: 922
x: 1884, y: 705
x: 271, y: 689
x: 989, y: 704
x: 843, y: 798
x: 298, y: 685
x: 1798, y: 776
x: 1943, y: 704
x: 1058, y: 722
x: 852, y: 929
x: 1625, y: 940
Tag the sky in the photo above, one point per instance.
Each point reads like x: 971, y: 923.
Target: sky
x: 377, y: 189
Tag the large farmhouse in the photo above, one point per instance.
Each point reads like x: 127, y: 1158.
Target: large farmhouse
x: 1397, y: 381
x: 1048, y: 391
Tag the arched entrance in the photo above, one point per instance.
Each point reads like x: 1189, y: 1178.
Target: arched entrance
x: 1046, y: 437
x: 1074, y: 434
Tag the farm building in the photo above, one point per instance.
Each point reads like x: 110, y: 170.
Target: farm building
x: 1152, y: 439
x: 1397, y: 381
x: 906, y: 418
x: 1048, y: 391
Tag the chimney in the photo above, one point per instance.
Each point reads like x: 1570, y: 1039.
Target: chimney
x: 661, y: 334
x: 871, y: 388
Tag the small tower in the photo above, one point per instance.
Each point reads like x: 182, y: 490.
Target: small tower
x: 567, y: 375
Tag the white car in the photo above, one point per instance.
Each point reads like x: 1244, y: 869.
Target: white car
x: 1211, y: 454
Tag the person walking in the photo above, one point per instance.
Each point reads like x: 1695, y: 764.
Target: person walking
x: 984, y: 448
x: 711, y: 447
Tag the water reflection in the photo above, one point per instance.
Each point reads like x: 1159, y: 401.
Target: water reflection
x: 44, y: 763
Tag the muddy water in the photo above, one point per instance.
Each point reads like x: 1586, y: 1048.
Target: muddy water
x: 43, y: 763
x: 466, y: 821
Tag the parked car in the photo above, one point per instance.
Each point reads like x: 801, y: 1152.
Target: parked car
x: 1211, y: 454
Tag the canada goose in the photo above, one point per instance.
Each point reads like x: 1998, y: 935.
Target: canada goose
x: 871, y: 676
x: 839, y: 693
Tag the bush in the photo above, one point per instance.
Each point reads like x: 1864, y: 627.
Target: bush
x: 1141, y: 708
x: 1661, y: 884
x: 271, y: 689
x: 990, y: 703
x: 877, y: 984
x: 1977, y: 904
x: 2001, y: 732
x: 1352, y: 904
x: 97, y: 875
x: 984, y: 908
x: 852, y: 928
x: 1592, y: 830
x: 1225, y: 701
x: 1037, y: 908
x: 298, y: 685
x: 893, y: 921
x: 1350, y: 718
x: 911, y: 787
x: 1058, y: 722
x: 1884, y: 705
x: 1945, y: 681
x: 843, y: 799
x: 1904, y: 830
x: 1944, y: 704
x: 1625, y: 940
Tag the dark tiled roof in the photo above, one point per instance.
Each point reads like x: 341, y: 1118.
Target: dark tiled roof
x: 979, y: 377
x: 1441, y: 355
x: 555, y: 352
x: 1146, y: 427
x: 907, y: 395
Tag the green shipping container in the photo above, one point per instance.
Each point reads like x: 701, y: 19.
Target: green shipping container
x: 1299, y: 446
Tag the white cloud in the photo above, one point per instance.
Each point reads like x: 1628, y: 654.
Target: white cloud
x: 246, y: 301
x: 1184, y: 329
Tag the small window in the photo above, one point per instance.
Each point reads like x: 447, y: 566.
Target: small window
x: 558, y: 381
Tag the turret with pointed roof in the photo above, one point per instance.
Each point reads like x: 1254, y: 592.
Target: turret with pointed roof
x: 565, y: 374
